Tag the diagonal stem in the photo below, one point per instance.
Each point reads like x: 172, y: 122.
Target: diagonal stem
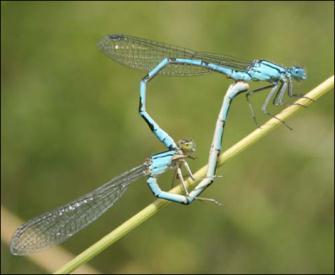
x: 154, y: 207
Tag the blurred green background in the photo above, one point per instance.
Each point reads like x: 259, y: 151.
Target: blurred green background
x: 70, y: 122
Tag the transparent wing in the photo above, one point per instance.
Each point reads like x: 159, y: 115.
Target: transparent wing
x: 224, y: 60
x: 55, y: 226
x: 145, y: 54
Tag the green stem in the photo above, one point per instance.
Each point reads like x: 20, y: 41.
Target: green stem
x: 154, y: 207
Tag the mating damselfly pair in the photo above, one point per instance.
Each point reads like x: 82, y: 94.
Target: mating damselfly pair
x: 56, y: 226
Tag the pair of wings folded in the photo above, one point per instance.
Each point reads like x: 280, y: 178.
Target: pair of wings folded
x: 145, y: 54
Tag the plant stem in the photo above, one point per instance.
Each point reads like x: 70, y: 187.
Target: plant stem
x: 154, y: 207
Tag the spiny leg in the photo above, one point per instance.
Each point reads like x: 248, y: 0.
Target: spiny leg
x: 181, y: 178
x: 178, y: 174
x: 247, y: 95
x: 250, y: 93
x: 188, y: 169
x: 209, y: 200
x: 274, y: 91
x: 280, y: 120
x: 291, y: 94
x: 280, y: 96
x: 278, y: 99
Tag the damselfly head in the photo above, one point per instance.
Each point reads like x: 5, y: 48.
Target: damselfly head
x: 298, y: 73
x: 187, y: 146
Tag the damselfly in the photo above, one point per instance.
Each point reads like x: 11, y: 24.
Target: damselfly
x: 165, y: 59
x: 57, y: 225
